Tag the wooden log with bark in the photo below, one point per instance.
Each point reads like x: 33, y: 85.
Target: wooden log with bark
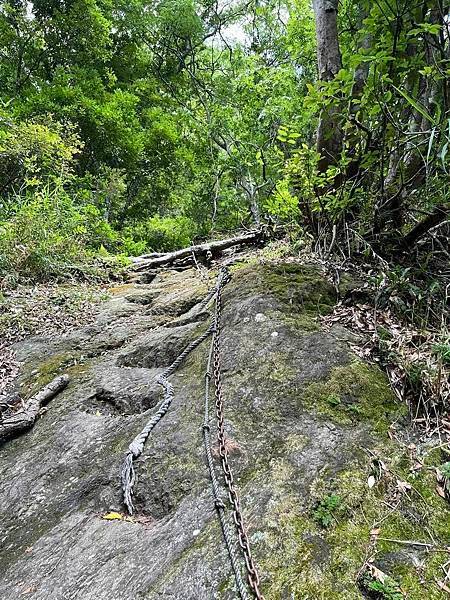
x: 15, y: 423
x: 207, y: 250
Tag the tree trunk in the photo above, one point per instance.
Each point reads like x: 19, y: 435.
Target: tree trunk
x: 329, y: 131
x: 251, y: 191
x: 361, y: 73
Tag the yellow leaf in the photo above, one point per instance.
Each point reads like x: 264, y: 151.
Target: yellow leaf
x: 113, y: 516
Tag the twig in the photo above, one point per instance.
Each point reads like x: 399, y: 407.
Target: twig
x: 406, y: 542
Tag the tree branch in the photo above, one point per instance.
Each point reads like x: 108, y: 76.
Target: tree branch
x: 439, y: 214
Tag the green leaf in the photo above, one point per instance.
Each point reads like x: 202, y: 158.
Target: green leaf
x: 417, y: 105
x: 443, y: 152
x: 430, y: 143
x: 431, y: 28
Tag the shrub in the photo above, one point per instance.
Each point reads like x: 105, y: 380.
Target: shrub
x: 47, y: 235
x: 34, y: 153
x: 160, y: 234
x: 130, y: 247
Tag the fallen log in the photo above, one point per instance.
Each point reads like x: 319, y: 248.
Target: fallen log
x: 141, y: 263
x: 12, y: 425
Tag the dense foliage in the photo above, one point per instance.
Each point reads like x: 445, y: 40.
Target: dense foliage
x: 135, y: 126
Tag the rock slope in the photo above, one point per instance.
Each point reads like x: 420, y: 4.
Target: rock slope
x: 308, y: 425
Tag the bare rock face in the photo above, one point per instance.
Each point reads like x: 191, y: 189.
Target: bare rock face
x: 305, y: 421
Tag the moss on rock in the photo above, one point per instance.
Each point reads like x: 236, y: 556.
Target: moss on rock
x: 308, y: 561
x: 280, y: 392
x: 354, y: 392
x: 34, y: 379
x: 299, y: 288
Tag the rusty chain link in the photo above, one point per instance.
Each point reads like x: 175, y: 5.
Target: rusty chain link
x: 252, y: 572
x: 216, y: 491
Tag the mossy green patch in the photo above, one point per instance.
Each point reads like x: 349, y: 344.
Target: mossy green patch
x: 47, y: 370
x: 355, y: 392
x: 242, y: 264
x: 301, y: 291
x: 304, y: 560
x: 305, y: 321
x: 277, y: 369
x: 298, y: 557
x: 299, y: 288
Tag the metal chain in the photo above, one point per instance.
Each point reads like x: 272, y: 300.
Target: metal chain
x: 218, y: 503
x: 252, y: 573
x: 136, y: 447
